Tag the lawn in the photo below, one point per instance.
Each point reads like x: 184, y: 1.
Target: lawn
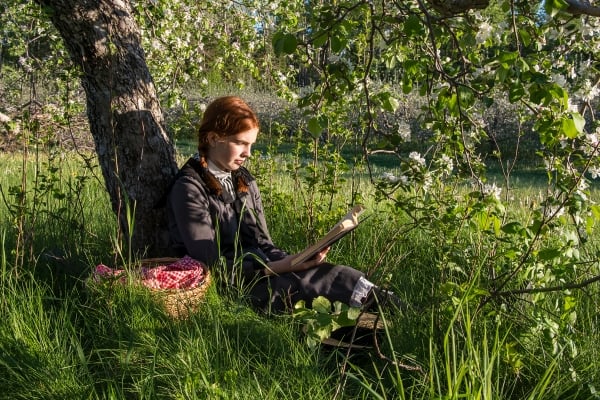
x: 64, y: 337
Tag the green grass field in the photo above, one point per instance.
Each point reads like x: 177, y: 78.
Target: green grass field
x: 63, y: 337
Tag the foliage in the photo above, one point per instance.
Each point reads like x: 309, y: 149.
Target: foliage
x: 322, y: 318
x: 442, y: 97
x: 96, y: 341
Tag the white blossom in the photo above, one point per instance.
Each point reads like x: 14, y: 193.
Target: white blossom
x: 156, y: 44
x: 484, y: 33
x: 446, y: 164
x: 404, y: 132
x: 559, y: 79
x: 550, y: 165
x: 572, y: 106
x: 572, y: 74
x: 388, y: 176
x: 554, y: 211
x: 391, y: 178
x: 492, y: 190
x: 594, y: 172
x: 281, y: 76
x: 23, y: 62
x: 416, y: 157
x: 592, y: 138
x: 427, y: 182
x: 588, y: 91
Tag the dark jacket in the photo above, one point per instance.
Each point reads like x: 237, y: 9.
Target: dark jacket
x: 195, y: 206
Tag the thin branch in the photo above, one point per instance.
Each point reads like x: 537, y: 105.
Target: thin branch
x: 559, y: 288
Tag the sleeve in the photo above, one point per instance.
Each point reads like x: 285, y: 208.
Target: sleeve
x: 191, y: 213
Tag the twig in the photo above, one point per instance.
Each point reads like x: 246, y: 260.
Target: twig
x: 559, y: 288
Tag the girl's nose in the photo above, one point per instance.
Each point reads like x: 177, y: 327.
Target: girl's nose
x: 247, y: 151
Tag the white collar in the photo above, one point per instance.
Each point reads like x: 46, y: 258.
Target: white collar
x: 216, y: 171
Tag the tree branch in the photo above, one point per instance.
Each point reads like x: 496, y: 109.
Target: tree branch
x: 577, y: 7
x: 454, y: 7
x: 559, y: 288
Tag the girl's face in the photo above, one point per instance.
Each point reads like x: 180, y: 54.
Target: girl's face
x: 230, y: 152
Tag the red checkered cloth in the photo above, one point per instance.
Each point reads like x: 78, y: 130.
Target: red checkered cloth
x: 185, y: 273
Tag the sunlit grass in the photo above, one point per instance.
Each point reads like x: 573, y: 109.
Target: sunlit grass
x: 111, y: 342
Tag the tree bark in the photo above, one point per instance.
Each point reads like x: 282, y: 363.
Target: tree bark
x: 134, y: 150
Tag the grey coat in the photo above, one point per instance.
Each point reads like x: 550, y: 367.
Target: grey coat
x: 205, y: 226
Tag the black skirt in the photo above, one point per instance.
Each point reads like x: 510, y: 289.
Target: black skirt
x: 279, y: 293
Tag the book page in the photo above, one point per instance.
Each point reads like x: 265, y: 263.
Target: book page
x: 339, y: 230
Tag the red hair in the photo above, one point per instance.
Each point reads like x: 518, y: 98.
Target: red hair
x: 225, y: 116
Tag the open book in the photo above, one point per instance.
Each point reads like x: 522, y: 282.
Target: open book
x: 341, y: 229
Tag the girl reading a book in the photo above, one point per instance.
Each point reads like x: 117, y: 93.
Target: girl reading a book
x: 215, y: 213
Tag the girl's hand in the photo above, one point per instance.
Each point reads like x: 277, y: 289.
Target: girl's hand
x: 319, y: 257
x: 285, y: 264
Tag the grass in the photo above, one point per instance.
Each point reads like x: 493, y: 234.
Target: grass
x: 62, y: 337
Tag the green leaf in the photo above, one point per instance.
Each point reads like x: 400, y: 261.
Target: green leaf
x: 502, y: 73
x: 552, y: 7
x: 465, y: 96
x: 579, y: 121
x: 525, y: 37
x: 323, y: 332
x: 516, y: 92
x: 322, y: 305
x: 413, y: 26
x: 314, y: 127
x: 343, y: 320
x: 354, y: 312
x: 290, y: 43
x: 512, y: 228
x: 549, y: 254
x: 337, y: 44
x: 284, y: 43
x: 320, y: 38
x: 595, y: 210
x: 573, y: 126
x: 300, y: 305
x: 407, y: 85
x: 508, y: 57
x: 390, y: 104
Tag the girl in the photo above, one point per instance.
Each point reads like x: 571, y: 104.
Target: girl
x: 215, y: 211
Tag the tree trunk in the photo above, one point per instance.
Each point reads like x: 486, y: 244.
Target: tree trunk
x: 135, y: 153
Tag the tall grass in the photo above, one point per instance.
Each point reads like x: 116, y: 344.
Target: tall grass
x: 82, y: 339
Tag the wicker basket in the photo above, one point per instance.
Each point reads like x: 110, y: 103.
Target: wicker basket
x: 179, y: 303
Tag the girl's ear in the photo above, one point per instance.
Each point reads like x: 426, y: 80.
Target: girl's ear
x: 212, y: 138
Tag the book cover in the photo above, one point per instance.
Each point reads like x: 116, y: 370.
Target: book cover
x: 344, y: 226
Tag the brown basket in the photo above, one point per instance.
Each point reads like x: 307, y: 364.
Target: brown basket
x: 179, y: 303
